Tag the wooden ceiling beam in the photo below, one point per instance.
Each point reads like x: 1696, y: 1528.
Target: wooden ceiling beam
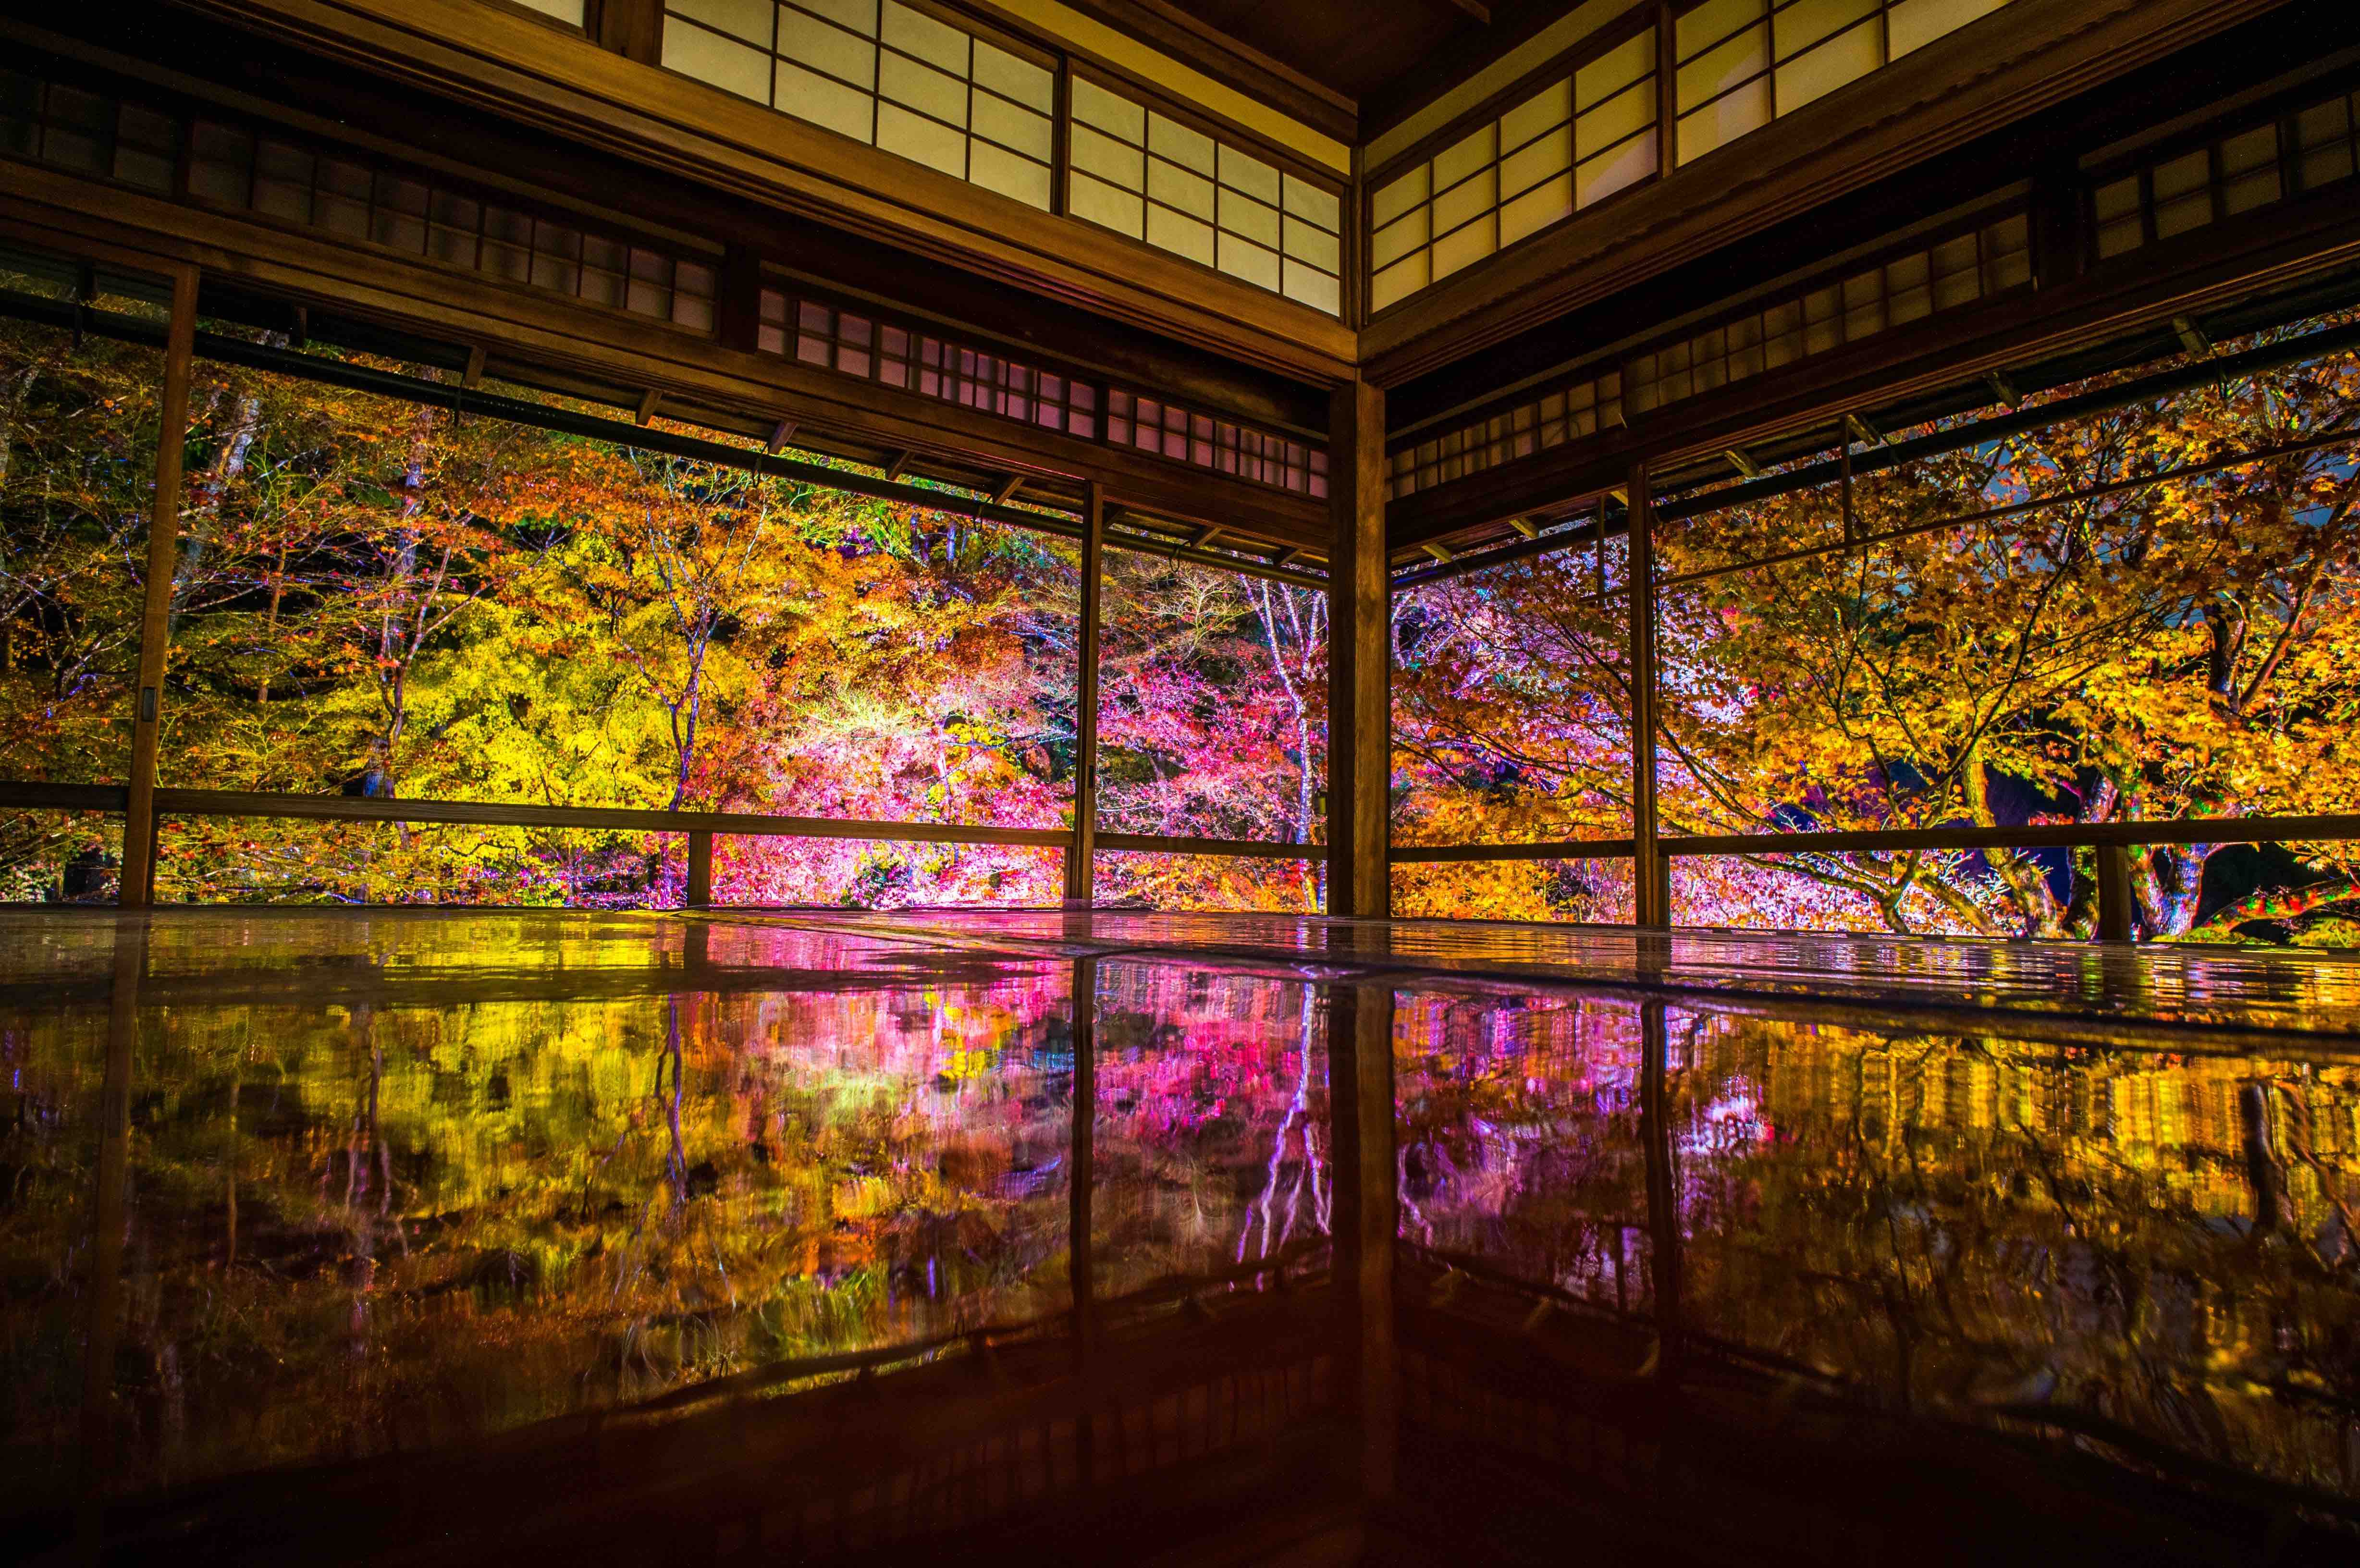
x: 2262, y: 253
x: 58, y: 211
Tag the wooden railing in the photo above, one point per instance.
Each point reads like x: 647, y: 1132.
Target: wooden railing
x: 700, y: 827
x: 2112, y: 841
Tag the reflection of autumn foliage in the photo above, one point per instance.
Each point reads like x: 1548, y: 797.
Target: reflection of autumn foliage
x: 387, y: 1223
x: 1950, y: 1224
x: 2173, y: 651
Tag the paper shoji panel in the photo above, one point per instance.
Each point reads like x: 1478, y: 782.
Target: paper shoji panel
x: 1144, y: 174
x: 1582, y: 408
x: 2236, y: 172
x: 882, y: 73
x: 1576, y: 141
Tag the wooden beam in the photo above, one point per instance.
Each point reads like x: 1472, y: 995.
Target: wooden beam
x: 1647, y: 860
x: 2198, y: 346
x: 137, y: 889
x: 1360, y: 658
x: 700, y: 869
x: 1474, y: 8
x: 648, y: 402
x: 632, y: 28
x: 59, y: 212
x: 2115, y: 906
x: 1524, y: 527
x: 900, y: 461
x: 1081, y: 854
x: 1008, y: 489
x: 2272, y: 249
x: 781, y: 433
x: 473, y: 377
x: 1742, y: 460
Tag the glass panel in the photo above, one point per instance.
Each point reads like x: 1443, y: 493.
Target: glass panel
x: 2157, y: 609
x: 1213, y: 709
x: 390, y: 603
x: 77, y: 481
x: 1510, y: 718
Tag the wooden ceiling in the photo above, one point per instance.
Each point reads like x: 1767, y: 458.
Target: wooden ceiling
x: 1367, y: 64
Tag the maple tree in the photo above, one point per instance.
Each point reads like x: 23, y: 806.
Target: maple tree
x: 2173, y: 650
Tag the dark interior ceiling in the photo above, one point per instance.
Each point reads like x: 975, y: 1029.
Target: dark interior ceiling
x: 1385, y: 56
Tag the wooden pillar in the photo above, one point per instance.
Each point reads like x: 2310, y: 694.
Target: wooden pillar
x: 700, y: 870
x: 2115, y: 904
x: 1650, y: 871
x: 1365, y: 1217
x: 138, y: 888
x: 632, y: 28
x: 1360, y: 658
x: 1081, y: 882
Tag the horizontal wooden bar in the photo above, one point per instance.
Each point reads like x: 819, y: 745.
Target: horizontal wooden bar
x: 1256, y: 849
x: 2034, y: 835
x: 1560, y: 849
x: 495, y: 813
x: 35, y: 796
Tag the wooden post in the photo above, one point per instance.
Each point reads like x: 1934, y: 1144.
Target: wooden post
x: 1652, y: 883
x: 137, y: 890
x: 2115, y: 903
x: 700, y: 870
x: 1360, y: 658
x: 1081, y: 878
x: 1365, y: 1218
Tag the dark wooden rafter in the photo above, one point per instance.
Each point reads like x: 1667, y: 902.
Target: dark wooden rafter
x: 1990, y: 347
x: 55, y: 211
x: 1008, y: 489
x: 649, y: 401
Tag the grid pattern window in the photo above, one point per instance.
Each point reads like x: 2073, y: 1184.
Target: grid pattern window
x: 1574, y: 143
x: 1569, y: 413
x: 882, y: 73
x: 855, y: 343
x: 45, y: 122
x: 1144, y: 174
x: 2251, y: 168
x: 1742, y: 63
x: 1185, y: 435
x: 234, y: 168
x: 1907, y: 287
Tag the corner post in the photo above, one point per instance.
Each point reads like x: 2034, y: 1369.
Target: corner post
x: 2115, y: 903
x: 1650, y: 870
x: 138, y: 888
x: 1360, y: 658
x: 1080, y: 854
